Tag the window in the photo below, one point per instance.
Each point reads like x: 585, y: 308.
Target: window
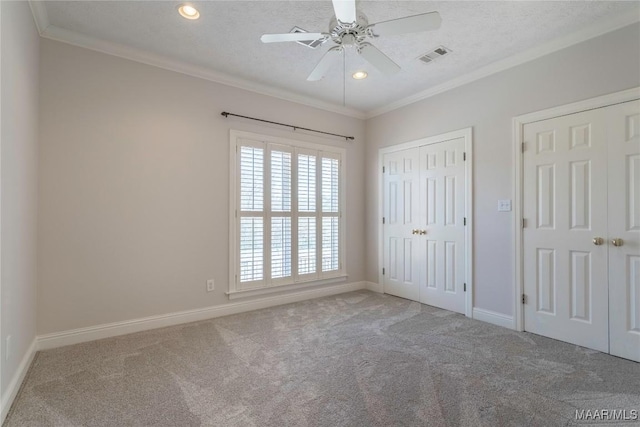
x: 286, y: 223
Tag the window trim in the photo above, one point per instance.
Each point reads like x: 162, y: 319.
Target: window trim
x: 278, y: 285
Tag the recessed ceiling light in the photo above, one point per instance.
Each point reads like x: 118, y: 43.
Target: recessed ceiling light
x: 188, y: 11
x: 359, y: 75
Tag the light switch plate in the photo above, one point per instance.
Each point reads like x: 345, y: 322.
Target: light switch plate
x: 504, y: 205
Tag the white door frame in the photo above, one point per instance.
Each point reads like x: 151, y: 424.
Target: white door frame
x: 518, y: 190
x: 467, y: 134
x: 2, y: 355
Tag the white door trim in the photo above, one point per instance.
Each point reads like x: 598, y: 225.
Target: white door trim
x: 467, y: 134
x: 518, y: 127
x: 2, y: 355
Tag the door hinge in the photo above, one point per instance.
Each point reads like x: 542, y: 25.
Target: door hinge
x: 524, y: 299
x: 464, y: 156
x: 383, y: 271
x: 524, y: 223
x: 383, y: 169
x: 524, y: 146
x: 236, y: 213
x: 465, y: 287
x: 383, y: 220
x: 236, y: 278
x: 465, y: 220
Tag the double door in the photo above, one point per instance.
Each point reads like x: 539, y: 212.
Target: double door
x: 424, y: 224
x: 581, y: 240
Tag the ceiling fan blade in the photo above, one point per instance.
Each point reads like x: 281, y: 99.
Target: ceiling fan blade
x: 325, y: 64
x: 410, y: 24
x: 292, y: 37
x: 345, y: 10
x: 378, y: 59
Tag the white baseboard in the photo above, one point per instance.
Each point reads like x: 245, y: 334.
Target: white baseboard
x: 493, y: 317
x: 374, y: 287
x: 75, y: 336
x: 14, y: 386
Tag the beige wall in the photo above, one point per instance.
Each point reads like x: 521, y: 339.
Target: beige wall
x: 134, y: 173
x: 18, y: 177
x: 134, y: 180
x: 599, y: 66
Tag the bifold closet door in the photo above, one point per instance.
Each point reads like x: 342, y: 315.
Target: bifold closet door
x: 423, y: 232
x: 442, y: 238
x: 565, y: 234
x: 624, y: 229
x: 401, y: 276
x: 582, y: 237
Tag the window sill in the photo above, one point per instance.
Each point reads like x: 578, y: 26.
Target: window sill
x: 245, y: 293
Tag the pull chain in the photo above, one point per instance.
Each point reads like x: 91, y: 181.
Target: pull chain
x: 344, y: 78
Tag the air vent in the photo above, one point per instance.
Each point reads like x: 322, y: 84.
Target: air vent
x: 436, y: 53
x: 310, y: 44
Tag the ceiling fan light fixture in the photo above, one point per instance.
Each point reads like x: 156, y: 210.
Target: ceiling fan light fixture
x: 350, y: 29
x: 189, y: 12
x: 359, y: 75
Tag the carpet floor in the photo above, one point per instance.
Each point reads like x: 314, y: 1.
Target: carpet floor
x: 356, y: 359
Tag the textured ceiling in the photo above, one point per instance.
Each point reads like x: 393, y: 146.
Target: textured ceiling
x: 226, y: 38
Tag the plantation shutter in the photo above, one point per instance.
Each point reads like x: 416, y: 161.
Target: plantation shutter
x: 330, y: 175
x: 281, y: 237
x: 307, y: 214
x: 251, y: 212
x: 288, y: 224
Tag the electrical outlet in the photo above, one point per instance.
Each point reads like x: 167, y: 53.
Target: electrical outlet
x: 210, y: 285
x: 7, y: 348
x: 504, y: 205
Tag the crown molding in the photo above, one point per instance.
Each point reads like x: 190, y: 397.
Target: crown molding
x: 40, y: 16
x: 138, y: 55
x: 48, y: 31
x: 51, y: 32
x: 555, y: 45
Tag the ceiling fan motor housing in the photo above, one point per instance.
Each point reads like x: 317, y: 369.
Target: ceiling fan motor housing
x: 349, y: 35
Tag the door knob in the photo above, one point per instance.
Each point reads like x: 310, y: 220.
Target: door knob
x: 423, y: 232
x: 616, y: 242
x: 598, y: 241
x: 414, y: 231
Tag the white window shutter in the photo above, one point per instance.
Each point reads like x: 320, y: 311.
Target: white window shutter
x: 330, y: 185
x: 251, y: 179
x: 330, y: 244
x: 251, y: 249
x: 288, y: 222
x: 306, y: 183
x: 280, y: 181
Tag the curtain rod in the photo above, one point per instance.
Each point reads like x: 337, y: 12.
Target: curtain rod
x: 348, y: 138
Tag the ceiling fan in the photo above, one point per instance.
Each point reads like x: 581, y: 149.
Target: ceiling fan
x: 350, y: 29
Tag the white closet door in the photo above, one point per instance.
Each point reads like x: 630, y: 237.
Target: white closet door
x: 401, y: 276
x: 442, y: 211
x: 624, y: 225
x: 565, y: 208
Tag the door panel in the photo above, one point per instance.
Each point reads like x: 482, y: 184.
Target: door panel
x: 442, y: 210
x: 424, y: 238
x: 400, y: 213
x: 580, y: 267
x: 565, y: 206
x: 624, y: 224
